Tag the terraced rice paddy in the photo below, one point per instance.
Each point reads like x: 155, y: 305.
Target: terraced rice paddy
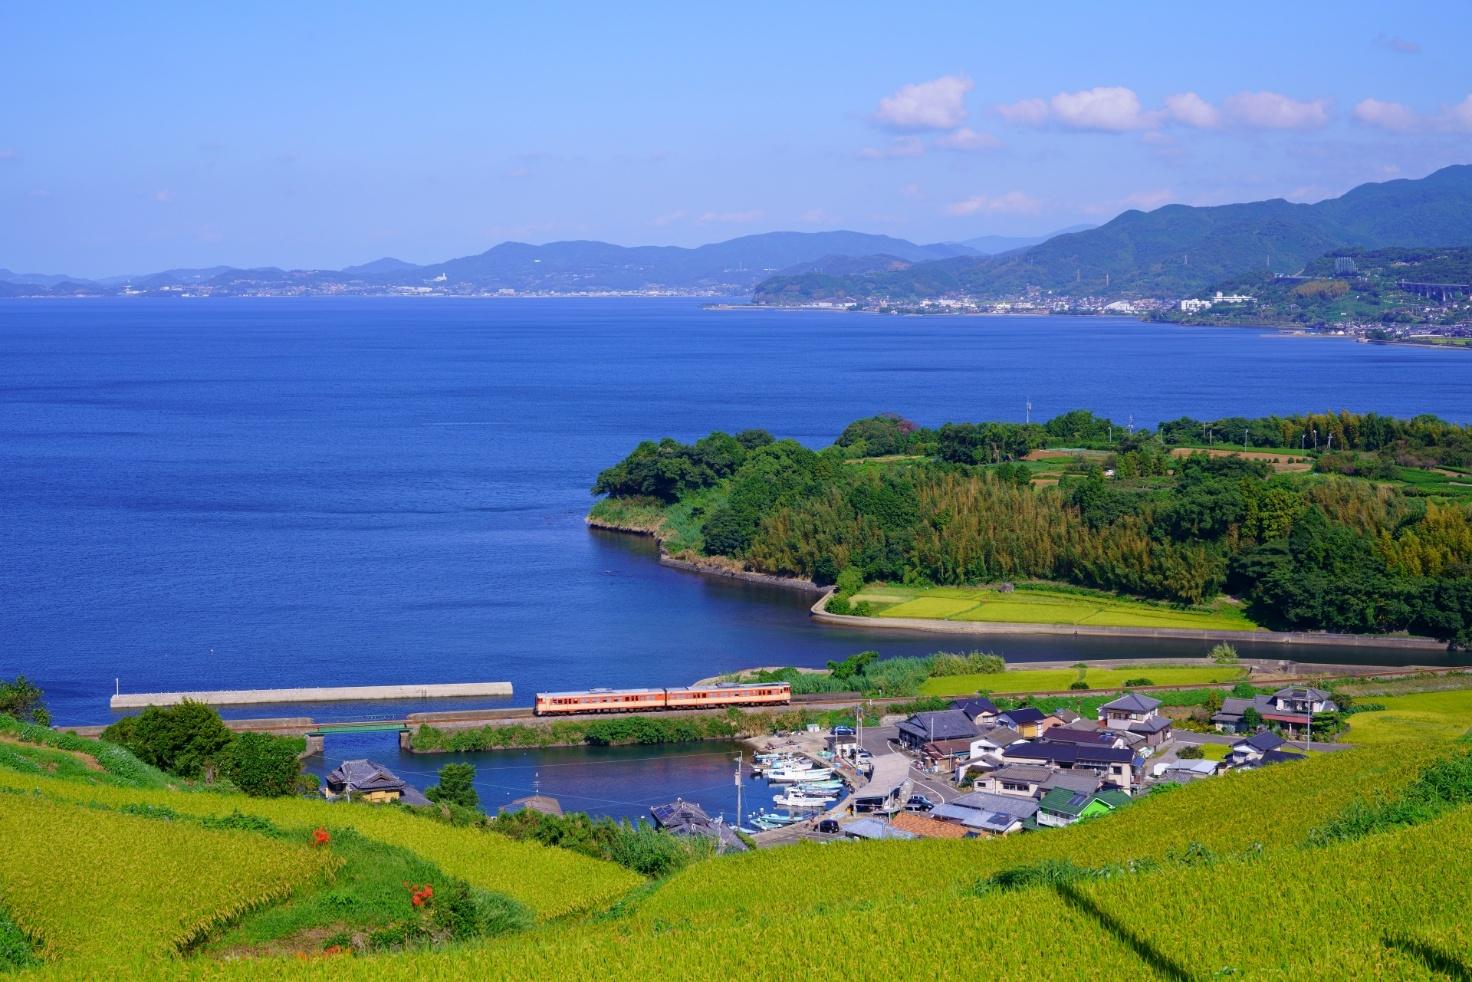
x: 1056, y: 680
x: 1424, y: 716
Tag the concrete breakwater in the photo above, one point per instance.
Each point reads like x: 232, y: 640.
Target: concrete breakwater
x: 346, y: 693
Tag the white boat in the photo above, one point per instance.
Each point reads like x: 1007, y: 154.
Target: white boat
x: 774, y: 820
x: 833, y: 785
x: 799, y: 774
x: 793, y: 799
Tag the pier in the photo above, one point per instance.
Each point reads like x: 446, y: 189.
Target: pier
x: 346, y: 693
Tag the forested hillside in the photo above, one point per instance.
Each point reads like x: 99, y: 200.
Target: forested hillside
x: 1175, y: 250
x: 1340, y: 522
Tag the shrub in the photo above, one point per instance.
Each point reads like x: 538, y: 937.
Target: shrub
x: 969, y: 663
x: 186, y: 739
x: 1078, y: 684
x: 456, y: 787
x: 262, y: 765
x: 21, y: 699
x: 1223, y: 654
x: 1191, y: 752
x: 1130, y: 683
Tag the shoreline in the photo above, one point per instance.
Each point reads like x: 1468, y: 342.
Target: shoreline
x: 819, y: 613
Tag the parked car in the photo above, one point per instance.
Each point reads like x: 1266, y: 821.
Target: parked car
x: 829, y: 827
x: 919, y: 803
x: 843, y: 731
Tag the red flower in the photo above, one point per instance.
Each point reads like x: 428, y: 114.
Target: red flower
x: 320, y: 837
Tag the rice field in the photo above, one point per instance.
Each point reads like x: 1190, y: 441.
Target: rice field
x: 1043, y: 606
x: 1422, y: 717
x: 104, y: 889
x: 553, y: 882
x: 1021, y: 680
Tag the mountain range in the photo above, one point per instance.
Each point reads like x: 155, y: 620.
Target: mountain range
x: 1172, y: 251
x: 734, y: 266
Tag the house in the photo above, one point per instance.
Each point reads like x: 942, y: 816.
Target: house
x: 1117, y: 766
x: 925, y: 827
x: 368, y: 780
x: 1251, y: 749
x: 1274, y: 757
x: 1061, y: 807
x: 1092, y: 735
x: 944, y: 755
x: 1229, y: 719
x: 1079, y: 782
x: 994, y: 740
x: 1067, y: 716
x: 980, y: 711
x: 1018, y: 780
x: 988, y: 814
x: 1296, y: 706
x: 873, y: 828
x: 888, y: 786
x: 944, y: 724
x: 686, y: 818
x: 1186, y: 771
x: 1028, y: 721
x: 1137, y: 714
x: 533, y: 803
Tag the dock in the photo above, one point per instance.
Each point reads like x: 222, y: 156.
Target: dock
x: 345, y: 693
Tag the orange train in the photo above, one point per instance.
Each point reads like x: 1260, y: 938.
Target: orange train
x: 716, y: 696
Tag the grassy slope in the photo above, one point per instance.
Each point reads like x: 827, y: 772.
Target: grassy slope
x: 1056, y: 680
x: 1044, y: 606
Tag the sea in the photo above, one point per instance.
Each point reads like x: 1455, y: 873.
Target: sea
x: 253, y: 493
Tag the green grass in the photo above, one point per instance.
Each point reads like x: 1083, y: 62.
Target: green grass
x: 1215, y: 751
x: 1055, y: 680
x: 1045, y: 605
x: 1419, y: 718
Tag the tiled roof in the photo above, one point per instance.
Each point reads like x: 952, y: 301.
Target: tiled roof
x: 1132, y: 702
x: 927, y: 828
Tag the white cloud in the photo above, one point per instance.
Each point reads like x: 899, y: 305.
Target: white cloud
x: 1026, y: 112
x: 1459, y: 117
x: 1192, y: 110
x: 939, y: 104
x: 1275, y: 111
x: 8, y: 154
x: 163, y: 197
x: 669, y: 218
x: 816, y: 216
x: 730, y: 217
x: 1011, y: 203
x: 900, y: 146
x: 1398, y: 44
x: 1393, y: 116
x: 1107, y: 107
x: 910, y: 191
x: 1149, y: 200
x: 968, y: 140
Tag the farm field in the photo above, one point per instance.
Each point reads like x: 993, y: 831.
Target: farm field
x: 1424, y: 716
x: 1014, y: 681
x: 1040, y: 605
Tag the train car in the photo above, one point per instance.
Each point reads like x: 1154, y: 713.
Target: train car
x: 599, y: 701
x: 729, y: 694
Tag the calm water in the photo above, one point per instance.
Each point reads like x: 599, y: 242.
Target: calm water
x: 236, y: 494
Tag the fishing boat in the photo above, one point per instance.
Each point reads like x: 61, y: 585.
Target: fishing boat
x: 793, y: 799
x: 773, y: 820
x: 833, y: 785
x: 798, y: 774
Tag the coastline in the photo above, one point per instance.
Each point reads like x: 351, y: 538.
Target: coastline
x: 819, y: 613
x: 707, y: 566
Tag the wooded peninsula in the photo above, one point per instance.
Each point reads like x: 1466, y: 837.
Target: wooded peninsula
x: 1344, y: 522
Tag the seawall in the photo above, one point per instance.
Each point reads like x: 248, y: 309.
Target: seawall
x: 349, y: 693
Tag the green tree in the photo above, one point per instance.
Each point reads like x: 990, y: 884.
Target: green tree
x: 187, y: 739
x: 456, y: 787
x: 1252, y: 719
x: 852, y: 666
x: 21, y: 699
x: 262, y: 765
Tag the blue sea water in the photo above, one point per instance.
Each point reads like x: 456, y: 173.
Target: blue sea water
x: 253, y: 493
x: 261, y: 493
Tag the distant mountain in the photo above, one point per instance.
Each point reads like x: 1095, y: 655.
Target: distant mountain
x: 991, y: 245
x: 849, y: 265
x: 737, y: 264
x: 1176, y: 250
x: 34, y: 279
x: 734, y: 266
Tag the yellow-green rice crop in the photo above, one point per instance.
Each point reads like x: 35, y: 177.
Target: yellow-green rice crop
x: 1056, y: 680
x: 1419, y: 717
x: 100, y: 887
x: 550, y: 881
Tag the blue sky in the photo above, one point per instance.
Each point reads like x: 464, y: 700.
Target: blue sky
x: 135, y: 137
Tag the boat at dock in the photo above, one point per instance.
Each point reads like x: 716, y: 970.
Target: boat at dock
x: 799, y: 774
x: 794, y: 799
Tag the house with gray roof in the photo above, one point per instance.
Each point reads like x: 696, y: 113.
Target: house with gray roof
x: 1017, y: 780
x: 687, y: 819
x: 1137, y: 714
x: 368, y: 780
x: 1252, y: 748
x: 988, y: 814
x: 944, y: 724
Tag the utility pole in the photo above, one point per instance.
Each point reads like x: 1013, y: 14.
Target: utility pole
x: 739, y: 756
x: 1028, y: 417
